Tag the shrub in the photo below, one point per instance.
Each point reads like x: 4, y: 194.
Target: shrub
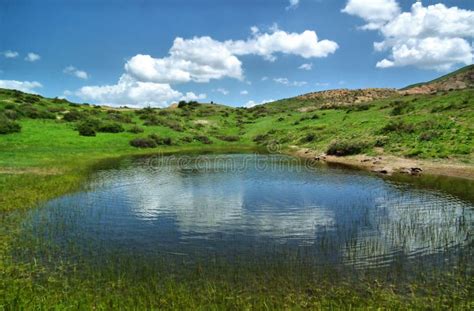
x: 73, y: 116
x: 308, y: 138
x: 429, y: 135
x: 110, y: 128
x: 136, y: 130
x: 174, y: 125
x: 381, y: 141
x: 203, y: 139
x: 398, y: 126
x: 33, y: 113
x: 343, y: 148
x: 143, y: 143
x: 229, y: 138
x: 190, y: 104
x: 118, y: 117
x: 11, y: 114
x: 260, y: 138
x: 56, y: 109
x: 7, y: 126
x: 86, y: 129
x: 161, y: 140
x: 186, y: 139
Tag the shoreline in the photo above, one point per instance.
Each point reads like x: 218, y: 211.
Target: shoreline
x: 389, y: 164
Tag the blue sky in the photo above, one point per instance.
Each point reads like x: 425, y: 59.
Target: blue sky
x: 237, y: 52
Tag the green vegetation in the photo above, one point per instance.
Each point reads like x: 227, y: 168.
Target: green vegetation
x: 48, y: 147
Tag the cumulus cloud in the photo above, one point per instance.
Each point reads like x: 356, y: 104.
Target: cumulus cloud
x: 287, y: 82
x: 191, y: 96
x: 32, y: 57
x: 375, y: 12
x: 202, y: 59
x: 432, y: 37
x: 10, y: 54
x: 305, y: 44
x: 73, y: 71
x: 130, y: 92
x: 252, y: 103
x: 198, y: 59
x: 307, y: 66
x: 244, y: 92
x: 24, y: 86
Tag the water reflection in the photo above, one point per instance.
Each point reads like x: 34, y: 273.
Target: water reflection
x: 187, y: 207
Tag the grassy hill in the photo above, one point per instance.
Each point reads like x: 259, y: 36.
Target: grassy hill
x: 460, y: 79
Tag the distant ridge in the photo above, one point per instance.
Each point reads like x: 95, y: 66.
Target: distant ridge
x: 460, y: 79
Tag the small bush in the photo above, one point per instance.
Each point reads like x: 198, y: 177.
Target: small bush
x: 33, y: 113
x: 73, y: 116
x: 56, y: 109
x: 381, y: 141
x: 399, y: 127
x: 308, y: 138
x: 228, y: 138
x: 343, y: 148
x: 190, y: 104
x: 143, y: 143
x: 161, y: 140
x: 136, y: 129
x: 186, y: 139
x: 203, y: 139
x: 429, y: 135
x: 11, y: 114
x: 110, y: 128
x: 8, y: 126
x: 86, y: 130
x: 118, y: 117
x: 260, y: 138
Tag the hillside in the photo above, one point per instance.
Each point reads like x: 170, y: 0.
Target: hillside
x: 457, y: 80
x: 50, y: 135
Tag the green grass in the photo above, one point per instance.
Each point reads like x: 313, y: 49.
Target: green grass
x: 49, y: 158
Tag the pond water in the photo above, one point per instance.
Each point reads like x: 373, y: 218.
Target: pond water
x: 254, y: 208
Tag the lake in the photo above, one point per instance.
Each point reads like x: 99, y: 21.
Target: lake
x: 250, y: 210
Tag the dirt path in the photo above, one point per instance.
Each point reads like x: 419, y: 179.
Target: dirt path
x: 387, y: 164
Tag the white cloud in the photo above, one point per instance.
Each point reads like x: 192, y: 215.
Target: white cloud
x: 10, y: 54
x: 24, y: 86
x: 71, y: 70
x: 130, y: 92
x: 293, y: 4
x: 198, y: 59
x: 307, y: 66
x: 222, y: 91
x: 252, y: 103
x: 32, y: 57
x: 202, y: 59
x: 305, y: 44
x: 374, y: 12
x: 432, y: 37
x: 265, y: 78
x: 287, y: 82
x: 244, y: 92
x: 191, y: 96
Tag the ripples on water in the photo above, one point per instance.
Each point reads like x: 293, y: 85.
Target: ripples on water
x: 251, y: 207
